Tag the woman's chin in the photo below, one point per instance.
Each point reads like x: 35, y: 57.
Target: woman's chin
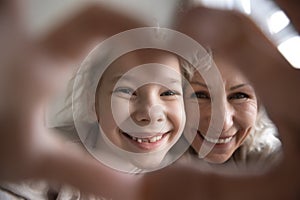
x: 217, y: 159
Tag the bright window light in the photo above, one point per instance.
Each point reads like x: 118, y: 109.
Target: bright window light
x: 290, y: 49
x: 277, y: 21
x: 246, y: 5
x: 219, y: 4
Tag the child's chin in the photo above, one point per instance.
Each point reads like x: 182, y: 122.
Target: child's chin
x: 148, y: 163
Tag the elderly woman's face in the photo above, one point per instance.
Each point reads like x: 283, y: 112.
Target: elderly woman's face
x: 240, y: 108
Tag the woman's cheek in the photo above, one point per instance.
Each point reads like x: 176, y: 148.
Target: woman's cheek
x: 205, y: 116
x: 248, y: 113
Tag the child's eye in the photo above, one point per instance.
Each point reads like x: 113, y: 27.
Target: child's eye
x: 238, y: 95
x: 125, y: 90
x: 200, y: 95
x: 169, y: 93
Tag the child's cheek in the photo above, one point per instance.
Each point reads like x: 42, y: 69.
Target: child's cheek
x: 120, y: 108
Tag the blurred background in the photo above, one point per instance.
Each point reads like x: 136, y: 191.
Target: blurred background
x: 42, y: 15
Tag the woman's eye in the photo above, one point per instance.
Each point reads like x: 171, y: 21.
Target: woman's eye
x: 200, y: 95
x: 238, y: 95
x: 128, y: 91
x: 169, y: 93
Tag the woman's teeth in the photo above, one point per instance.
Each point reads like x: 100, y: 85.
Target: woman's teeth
x: 218, y: 141
x: 147, y: 140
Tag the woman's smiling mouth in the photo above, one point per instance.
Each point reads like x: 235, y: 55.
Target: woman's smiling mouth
x: 223, y: 140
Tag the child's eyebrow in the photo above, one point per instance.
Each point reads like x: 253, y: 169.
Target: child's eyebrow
x: 116, y: 78
x: 174, y: 81
x: 167, y: 79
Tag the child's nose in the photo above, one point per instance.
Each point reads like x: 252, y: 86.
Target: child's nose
x: 150, y: 111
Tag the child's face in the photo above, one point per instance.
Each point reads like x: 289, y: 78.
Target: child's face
x: 156, y: 111
x: 240, y: 104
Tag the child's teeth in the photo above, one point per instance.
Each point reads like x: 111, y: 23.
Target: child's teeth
x: 158, y: 137
x: 153, y: 139
x: 145, y: 140
x: 148, y: 140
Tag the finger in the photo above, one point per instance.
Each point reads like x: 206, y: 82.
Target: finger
x: 71, y: 166
x: 75, y: 35
x: 238, y: 40
x: 213, y: 29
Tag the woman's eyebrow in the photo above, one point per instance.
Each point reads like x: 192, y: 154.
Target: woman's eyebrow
x: 232, y: 88
x: 239, y: 86
x: 199, y: 83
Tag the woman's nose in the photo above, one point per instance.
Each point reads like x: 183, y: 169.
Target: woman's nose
x: 228, y: 117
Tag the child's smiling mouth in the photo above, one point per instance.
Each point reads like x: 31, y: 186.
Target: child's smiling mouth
x: 148, y: 143
x: 147, y: 139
